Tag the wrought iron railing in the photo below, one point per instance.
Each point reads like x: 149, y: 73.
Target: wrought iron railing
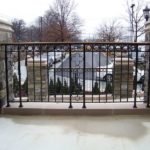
x: 76, y: 72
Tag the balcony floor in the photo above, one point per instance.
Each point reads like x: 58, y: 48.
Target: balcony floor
x: 74, y: 132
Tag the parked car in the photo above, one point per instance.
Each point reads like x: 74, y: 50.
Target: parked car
x: 141, y: 56
x: 106, y: 73
x: 57, y: 56
x: 140, y: 75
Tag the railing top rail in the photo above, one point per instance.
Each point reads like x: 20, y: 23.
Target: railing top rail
x: 65, y: 43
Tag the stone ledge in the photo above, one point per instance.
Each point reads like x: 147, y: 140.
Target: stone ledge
x: 70, y: 112
x: 77, y: 110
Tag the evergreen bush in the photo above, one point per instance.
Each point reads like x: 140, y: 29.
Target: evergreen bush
x: 108, y: 88
x: 15, y: 84
x: 96, y: 89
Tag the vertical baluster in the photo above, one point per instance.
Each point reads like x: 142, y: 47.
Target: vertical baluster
x: 70, y: 72
x: 107, y: 63
x: 41, y: 72
x: 92, y: 47
x: 62, y: 70
x: 7, y: 83
x: 148, y: 93
x: 98, y: 74
x: 26, y: 64
x: 84, y: 106
x: 121, y: 76
x: 55, y: 73
x: 19, y: 75
x: 48, y: 66
x: 34, y: 70
x: 128, y: 75
x: 113, y: 72
x: 136, y: 70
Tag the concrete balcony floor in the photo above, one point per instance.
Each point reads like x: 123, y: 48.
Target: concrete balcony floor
x: 75, y: 132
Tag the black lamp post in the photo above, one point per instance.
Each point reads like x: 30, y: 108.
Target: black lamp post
x: 146, y: 13
x: 132, y: 15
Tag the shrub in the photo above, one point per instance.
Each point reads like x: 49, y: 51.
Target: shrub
x: 95, y: 89
x: 15, y: 84
x: 109, y: 88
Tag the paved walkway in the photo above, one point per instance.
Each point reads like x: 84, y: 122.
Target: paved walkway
x: 74, y: 133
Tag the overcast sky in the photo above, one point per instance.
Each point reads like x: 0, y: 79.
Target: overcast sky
x: 92, y: 12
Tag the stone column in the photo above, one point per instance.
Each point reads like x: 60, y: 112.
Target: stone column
x: 123, y: 82
x: 5, y: 36
x: 2, y: 78
x: 37, y: 79
x: 147, y: 58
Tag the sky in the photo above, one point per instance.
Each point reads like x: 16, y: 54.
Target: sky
x: 92, y: 12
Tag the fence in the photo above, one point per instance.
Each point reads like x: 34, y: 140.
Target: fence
x: 77, y: 72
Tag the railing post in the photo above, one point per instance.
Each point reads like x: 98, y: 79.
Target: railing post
x: 70, y: 72
x: 136, y: 70
x: 19, y: 75
x: 84, y: 106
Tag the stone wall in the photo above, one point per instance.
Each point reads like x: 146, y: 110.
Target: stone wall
x: 123, y: 81
x: 5, y: 36
x: 37, y: 80
x: 2, y: 77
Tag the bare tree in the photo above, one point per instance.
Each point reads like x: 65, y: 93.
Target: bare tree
x: 135, y: 18
x: 32, y: 33
x: 60, y: 23
x: 110, y: 32
x: 19, y: 28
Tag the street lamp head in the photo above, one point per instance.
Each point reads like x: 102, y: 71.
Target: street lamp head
x: 132, y: 5
x: 146, y: 13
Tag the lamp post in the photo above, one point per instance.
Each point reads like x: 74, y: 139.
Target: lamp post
x: 40, y: 28
x: 132, y: 24
x: 146, y: 13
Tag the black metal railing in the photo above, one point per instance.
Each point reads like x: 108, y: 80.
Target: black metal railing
x: 76, y: 72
